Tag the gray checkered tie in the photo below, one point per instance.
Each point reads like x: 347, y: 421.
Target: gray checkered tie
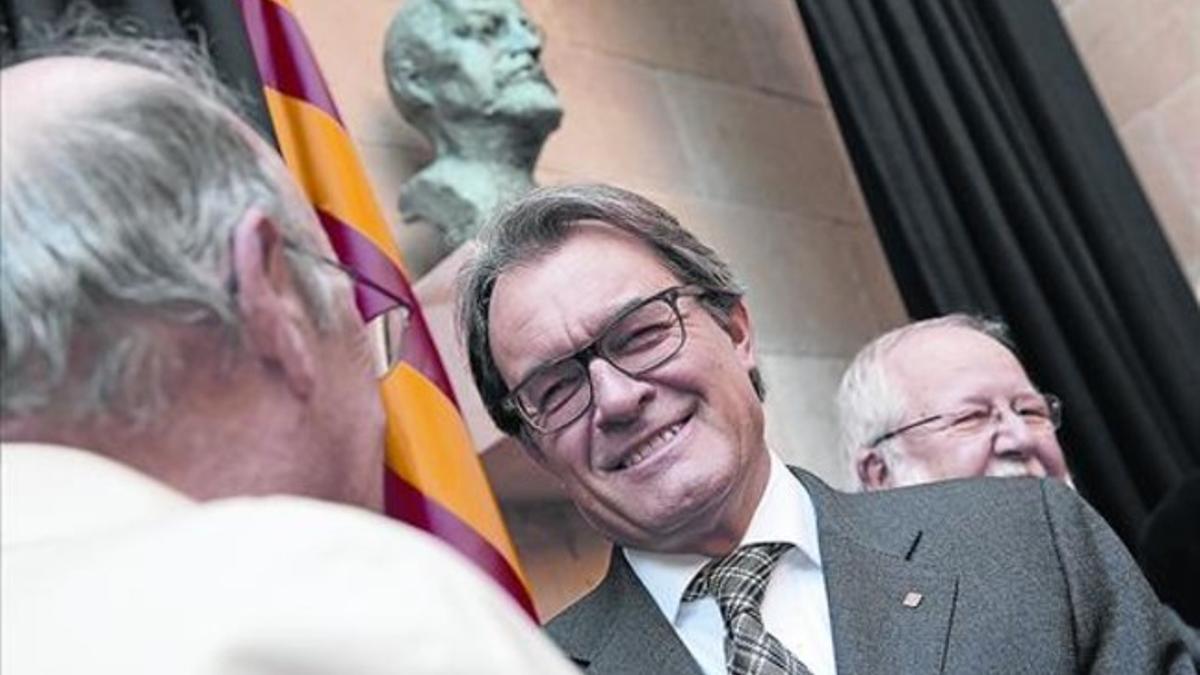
x: 737, y: 582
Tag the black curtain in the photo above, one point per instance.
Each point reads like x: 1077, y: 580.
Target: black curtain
x: 997, y: 186
x: 215, y: 25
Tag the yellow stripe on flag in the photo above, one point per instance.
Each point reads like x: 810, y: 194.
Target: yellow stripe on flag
x: 286, y: 4
x: 335, y: 181
x: 432, y: 452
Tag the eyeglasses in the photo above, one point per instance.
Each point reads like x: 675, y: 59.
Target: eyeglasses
x: 1040, y: 413
x: 391, y: 324
x: 636, y: 341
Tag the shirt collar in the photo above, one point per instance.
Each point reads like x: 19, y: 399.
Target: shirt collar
x: 785, y: 513
x: 53, y: 491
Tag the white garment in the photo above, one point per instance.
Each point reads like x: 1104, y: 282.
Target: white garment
x: 107, y: 571
x: 795, y: 606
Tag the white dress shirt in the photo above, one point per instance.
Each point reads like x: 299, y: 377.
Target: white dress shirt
x: 795, y: 607
x: 105, y: 570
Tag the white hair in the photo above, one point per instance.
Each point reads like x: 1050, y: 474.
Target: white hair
x: 117, y: 221
x: 870, y: 405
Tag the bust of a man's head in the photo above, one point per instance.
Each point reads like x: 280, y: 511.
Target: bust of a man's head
x: 466, y: 73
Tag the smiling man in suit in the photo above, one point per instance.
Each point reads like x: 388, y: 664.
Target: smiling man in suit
x: 619, y: 350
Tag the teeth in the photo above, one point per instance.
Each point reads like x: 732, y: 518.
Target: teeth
x: 660, y: 439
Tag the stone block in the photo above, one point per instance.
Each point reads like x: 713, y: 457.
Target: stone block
x: 805, y: 292
x: 617, y: 127
x: 800, y: 413
x: 697, y: 36
x: 758, y: 149
x: 1137, y: 53
x: 777, y: 49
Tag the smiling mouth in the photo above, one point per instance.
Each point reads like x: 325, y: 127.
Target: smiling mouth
x: 653, y: 445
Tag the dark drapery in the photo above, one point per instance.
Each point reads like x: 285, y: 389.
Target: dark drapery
x: 997, y: 185
x: 216, y: 25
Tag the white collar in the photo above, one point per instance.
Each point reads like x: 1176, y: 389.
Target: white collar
x: 785, y: 513
x: 51, y: 491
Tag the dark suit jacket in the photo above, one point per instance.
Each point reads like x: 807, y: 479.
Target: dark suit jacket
x: 1016, y: 576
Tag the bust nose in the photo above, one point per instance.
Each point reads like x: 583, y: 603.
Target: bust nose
x: 523, y: 35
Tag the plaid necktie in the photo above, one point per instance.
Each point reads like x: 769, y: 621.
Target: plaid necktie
x: 737, y: 582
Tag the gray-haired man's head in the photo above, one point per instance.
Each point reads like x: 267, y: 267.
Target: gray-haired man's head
x: 618, y: 348
x: 158, y: 296
x: 945, y: 398
x: 540, y: 222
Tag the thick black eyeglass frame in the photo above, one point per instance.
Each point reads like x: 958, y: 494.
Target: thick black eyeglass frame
x: 1053, y: 404
x: 584, y: 355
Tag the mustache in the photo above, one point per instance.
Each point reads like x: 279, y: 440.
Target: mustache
x: 1010, y: 470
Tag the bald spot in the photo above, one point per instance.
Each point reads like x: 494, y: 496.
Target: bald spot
x: 933, y: 365
x: 37, y: 94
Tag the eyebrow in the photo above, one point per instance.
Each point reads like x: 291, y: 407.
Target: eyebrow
x: 610, y: 318
x: 482, y: 12
x: 625, y: 307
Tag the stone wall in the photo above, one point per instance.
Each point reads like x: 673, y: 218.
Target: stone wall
x: 1144, y: 60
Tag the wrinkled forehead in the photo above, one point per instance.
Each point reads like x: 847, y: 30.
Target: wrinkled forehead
x: 38, y: 94
x: 464, y: 8
x: 586, y: 255
x: 954, y: 362
x: 550, y: 304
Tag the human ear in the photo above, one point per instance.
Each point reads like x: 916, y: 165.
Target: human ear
x: 739, y: 327
x: 272, y: 312
x: 872, y: 470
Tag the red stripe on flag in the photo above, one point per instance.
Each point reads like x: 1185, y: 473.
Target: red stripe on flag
x: 286, y: 64
x: 369, y: 261
x: 419, y: 350
x: 290, y: 73
x: 415, y: 508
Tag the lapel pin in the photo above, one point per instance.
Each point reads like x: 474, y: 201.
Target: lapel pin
x: 912, y: 599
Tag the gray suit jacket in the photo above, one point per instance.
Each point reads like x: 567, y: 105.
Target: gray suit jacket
x: 1016, y: 576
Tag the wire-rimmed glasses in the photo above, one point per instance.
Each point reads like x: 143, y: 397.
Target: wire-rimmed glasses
x: 1039, y: 412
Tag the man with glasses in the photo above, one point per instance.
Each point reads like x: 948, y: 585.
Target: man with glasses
x: 192, y: 437
x: 945, y: 398
x: 619, y: 350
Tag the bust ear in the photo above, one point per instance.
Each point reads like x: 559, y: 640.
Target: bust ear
x: 409, y: 84
x: 275, y: 320
x: 872, y: 470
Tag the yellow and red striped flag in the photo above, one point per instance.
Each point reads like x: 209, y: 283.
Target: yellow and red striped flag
x: 433, y: 478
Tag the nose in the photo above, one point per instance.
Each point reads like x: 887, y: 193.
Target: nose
x: 618, y: 398
x: 1013, y: 439
x: 524, y: 36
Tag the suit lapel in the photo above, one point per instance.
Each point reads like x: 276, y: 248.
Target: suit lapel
x: 874, y: 628
x: 622, y: 631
